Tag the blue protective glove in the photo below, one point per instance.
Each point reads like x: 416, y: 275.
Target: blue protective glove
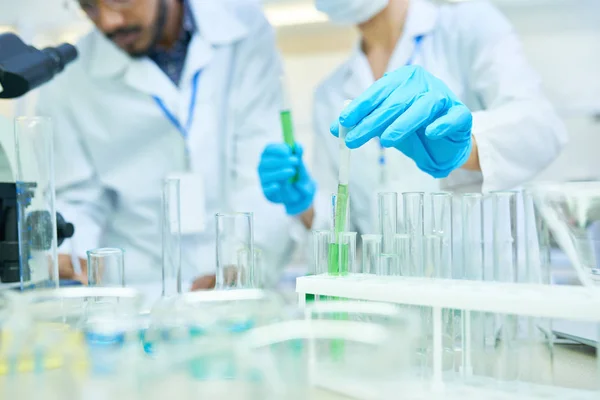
x: 278, y: 165
x: 416, y: 113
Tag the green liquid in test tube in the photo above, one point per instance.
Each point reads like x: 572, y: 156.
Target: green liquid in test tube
x: 287, y: 123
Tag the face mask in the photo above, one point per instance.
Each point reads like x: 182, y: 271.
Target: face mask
x: 351, y: 12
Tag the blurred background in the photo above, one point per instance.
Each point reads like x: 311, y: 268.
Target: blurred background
x: 561, y: 38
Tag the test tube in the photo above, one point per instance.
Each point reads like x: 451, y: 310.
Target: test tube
x: 35, y: 211
x: 433, y: 256
x: 371, y: 250
x: 388, y: 220
x: 537, y: 243
x: 473, y: 331
x: 505, y: 243
x: 171, y: 237
x: 388, y: 265
x: 402, y: 244
x: 342, y: 254
x: 340, y: 220
x: 321, y: 242
x: 441, y: 225
x: 538, y: 336
x: 348, y: 253
x: 235, y: 232
x: 106, y: 267
x: 414, y: 216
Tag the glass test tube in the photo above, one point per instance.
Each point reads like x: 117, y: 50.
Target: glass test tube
x: 414, y: 216
x: 235, y: 232
x: 171, y: 237
x: 371, y: 250
x: 388, y: 220
x: 106, y: 267
x: 473, y: 331
x: 321, y: 242
x: 388, y: 265
x: 342, y: 255
x: 505, y: 243
x: 505, y: 261
x: 537, y: 243
x: 402, y: 242
x: 441, y: 225
x: 339, y: 222
x: 36, y: 212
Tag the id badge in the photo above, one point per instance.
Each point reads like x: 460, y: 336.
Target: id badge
x: 193, y: 203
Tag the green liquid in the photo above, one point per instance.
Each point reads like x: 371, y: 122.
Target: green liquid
x: 287, y: 126
x: 341, y: 209
x: 338, y: 265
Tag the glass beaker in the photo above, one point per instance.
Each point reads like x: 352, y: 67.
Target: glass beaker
x: 235, y: 233
x: 106, y: 267
x: 36, y: 210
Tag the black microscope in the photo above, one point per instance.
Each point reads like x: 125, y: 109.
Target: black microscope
x: 22, y: 69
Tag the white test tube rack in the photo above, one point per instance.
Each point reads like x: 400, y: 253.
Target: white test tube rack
x: 530, y: 300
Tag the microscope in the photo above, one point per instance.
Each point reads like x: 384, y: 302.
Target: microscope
x: 22, y: 69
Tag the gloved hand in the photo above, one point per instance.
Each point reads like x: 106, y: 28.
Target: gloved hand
x: 278, y: 165
x: 416, y: 113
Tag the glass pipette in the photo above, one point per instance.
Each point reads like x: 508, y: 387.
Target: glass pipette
x: 341, y: 207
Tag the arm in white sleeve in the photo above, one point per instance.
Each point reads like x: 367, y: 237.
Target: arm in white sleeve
x: 256, y: 97
x: 80, y: 197
x: 518, y: 133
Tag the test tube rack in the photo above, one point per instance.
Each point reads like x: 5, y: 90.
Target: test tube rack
x: 527, y: 300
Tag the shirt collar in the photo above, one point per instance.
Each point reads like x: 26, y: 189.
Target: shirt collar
x: 421, y: 20
x: 214, y: 21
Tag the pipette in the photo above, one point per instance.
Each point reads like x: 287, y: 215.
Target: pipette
x: 341, y: 207
x: 338, y: 253
x: 287, y: 125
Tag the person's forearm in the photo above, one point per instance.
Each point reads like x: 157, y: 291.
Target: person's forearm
x: 307, y: 217
x: 472, y: 163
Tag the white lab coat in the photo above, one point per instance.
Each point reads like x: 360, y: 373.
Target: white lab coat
x: 474, y: 50
x: 114, y: 145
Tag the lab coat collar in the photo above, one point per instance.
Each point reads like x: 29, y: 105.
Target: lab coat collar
x: 217, y: 25
x: 421, y: 20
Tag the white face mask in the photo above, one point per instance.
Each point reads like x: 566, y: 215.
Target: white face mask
x: 351, y: 12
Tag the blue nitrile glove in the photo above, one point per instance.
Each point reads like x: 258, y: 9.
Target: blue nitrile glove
x: 279, y: 164
x: 416, y: 113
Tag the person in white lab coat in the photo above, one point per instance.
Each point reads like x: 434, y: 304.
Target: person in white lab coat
x: 459, y: 109
x: 187, y: 88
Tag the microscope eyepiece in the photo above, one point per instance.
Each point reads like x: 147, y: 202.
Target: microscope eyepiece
x: 61, y: 56
x: 24, y: 68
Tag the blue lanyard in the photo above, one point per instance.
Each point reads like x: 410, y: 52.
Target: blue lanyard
x: 184, y: 130
x: 411, y: 60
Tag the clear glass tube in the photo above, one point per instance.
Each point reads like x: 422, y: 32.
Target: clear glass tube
x: 473, y: 323
x: 537, y: 243
x: 342, y: 254
x: 505, y: 240
x: 414, y: 217
x: 388, y: 265
x: 402, y: 244
x: 388, y: 220
x: 433, y: 256
x: 441, y: 225
x: 321, y: 242
x: 235, y: 232
x: 36, y: 212
x: 106, y: 267
x: 472, y: 241
x: 171, y: 237
x: 339, y: 220
x: 371, y: 250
